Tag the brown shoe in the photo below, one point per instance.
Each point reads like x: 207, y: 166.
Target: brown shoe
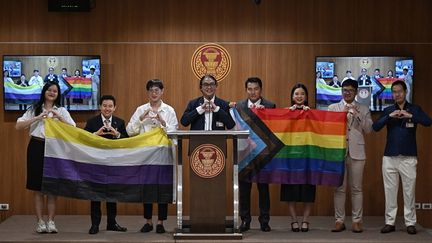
x: 339, y: 227
x: 357, y: 228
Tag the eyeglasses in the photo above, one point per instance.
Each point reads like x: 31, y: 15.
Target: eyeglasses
x: 156, y: 91
x: 207, y: 85
x: 348, y: 91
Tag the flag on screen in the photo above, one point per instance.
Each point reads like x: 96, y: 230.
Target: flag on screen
x: 387, y: 83
x: 17, y: 94
x: 81, y: 87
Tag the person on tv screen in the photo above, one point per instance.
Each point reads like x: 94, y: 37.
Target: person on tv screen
x: 390, y: 74
x: 36, y: 79
x: 24, y: 83
x: 48, y: 106
x: 293, y: 193
x: 319, y: 78
x: 62, y: 77
x: 348, y: 75
x: 400, y: 155
x: 6, y: 78
x: 152, y: 115
x: 95, y: 86
x: 408, y: 80
x: 377, y: 90
x: 108, y: 126
x: 335, y: 82
x: 364, y: 79
x: 207, y: 112
x: 253, y: 87
x: 359, y: 122
x: 51, y: 76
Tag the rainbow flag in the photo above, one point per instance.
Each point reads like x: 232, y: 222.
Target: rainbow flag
x: 81, y: 165
x: 327, y: 94
x: 81, y: 88
x: 292, y: 147
x: 17, y: 94
x: 387, y: 83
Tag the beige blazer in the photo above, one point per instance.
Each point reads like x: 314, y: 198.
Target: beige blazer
x: 356, y: 129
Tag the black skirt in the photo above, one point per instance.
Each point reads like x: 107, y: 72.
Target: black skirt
x: 298, y: 193
x: 35, y: 158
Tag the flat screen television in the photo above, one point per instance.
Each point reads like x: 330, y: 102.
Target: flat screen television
x: 13, y: 67
x: 326, y: 69
x: 79, y: 87
x: 374, y: 74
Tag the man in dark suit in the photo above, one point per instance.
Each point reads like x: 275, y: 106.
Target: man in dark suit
x: 253, y: 88
x: 111, y: 127
x: 364, y: 79
x: 208, y: 112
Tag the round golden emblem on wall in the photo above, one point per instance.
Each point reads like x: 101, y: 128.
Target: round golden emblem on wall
x: 51, y: 62
x: 207, y: 160
x: 211, y: 59
x: 365, y: 62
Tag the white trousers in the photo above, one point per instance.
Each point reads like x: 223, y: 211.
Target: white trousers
x: 354, y: 176
x: 392, y: 168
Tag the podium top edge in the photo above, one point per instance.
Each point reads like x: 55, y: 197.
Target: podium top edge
x: 191, y: 133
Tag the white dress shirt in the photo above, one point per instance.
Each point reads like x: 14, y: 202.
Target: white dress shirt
x: 166, y: 112
x: 37, y: 128
x: 208, y: 116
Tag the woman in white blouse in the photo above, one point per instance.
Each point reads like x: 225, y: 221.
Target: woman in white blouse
x: 153, y: 114
x: 48, y: 106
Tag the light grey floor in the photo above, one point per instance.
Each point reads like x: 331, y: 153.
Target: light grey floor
x: 20, y: 228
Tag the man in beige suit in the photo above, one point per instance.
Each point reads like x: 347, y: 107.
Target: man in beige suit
x: 358, y: 122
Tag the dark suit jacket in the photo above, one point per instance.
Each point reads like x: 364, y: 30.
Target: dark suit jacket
x: 95, y: 123
x: 243, y: 104
x: 191, y: 116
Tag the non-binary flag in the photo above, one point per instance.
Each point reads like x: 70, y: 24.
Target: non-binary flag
x: 81, y: 165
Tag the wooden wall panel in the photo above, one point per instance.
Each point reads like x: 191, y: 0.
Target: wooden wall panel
x: 277, y: 41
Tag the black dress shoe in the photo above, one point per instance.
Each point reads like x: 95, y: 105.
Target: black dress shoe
x: 160, y: 229
x: 388, y: 228
x: 116, y: 227
x: 147, y: 228
x: 411, y: 230
x: 94, y: 229
x: 265, y: 227
x: 245, y: 226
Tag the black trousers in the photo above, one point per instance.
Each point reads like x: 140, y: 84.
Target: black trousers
x: 264, y: 201
x: 96, y: 213
x: 162, y: 211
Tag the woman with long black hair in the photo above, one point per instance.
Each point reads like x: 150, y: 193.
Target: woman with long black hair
x: 48, y: 106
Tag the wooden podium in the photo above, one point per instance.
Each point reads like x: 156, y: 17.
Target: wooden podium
x: 208, y: 161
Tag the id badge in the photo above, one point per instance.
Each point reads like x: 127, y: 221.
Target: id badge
x: 409, y: 124
x: 219, y: 124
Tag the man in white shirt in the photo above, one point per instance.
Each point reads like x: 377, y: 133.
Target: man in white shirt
x: 151, y: 115
x: 36, y: 79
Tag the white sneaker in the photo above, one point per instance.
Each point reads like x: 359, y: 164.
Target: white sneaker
x: 41, y: 227
x: 51, y: 228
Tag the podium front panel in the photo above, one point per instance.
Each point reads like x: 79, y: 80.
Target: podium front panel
x: 207, y: 184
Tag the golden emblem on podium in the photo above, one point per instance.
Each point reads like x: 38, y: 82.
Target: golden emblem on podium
x: 207, y: 161
x: 211, y: 59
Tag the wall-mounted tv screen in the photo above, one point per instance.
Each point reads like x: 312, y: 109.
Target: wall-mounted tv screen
x: 78, y: 76
x: 13, y: 68
x: 326, y: 69
x: 374, y: 75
